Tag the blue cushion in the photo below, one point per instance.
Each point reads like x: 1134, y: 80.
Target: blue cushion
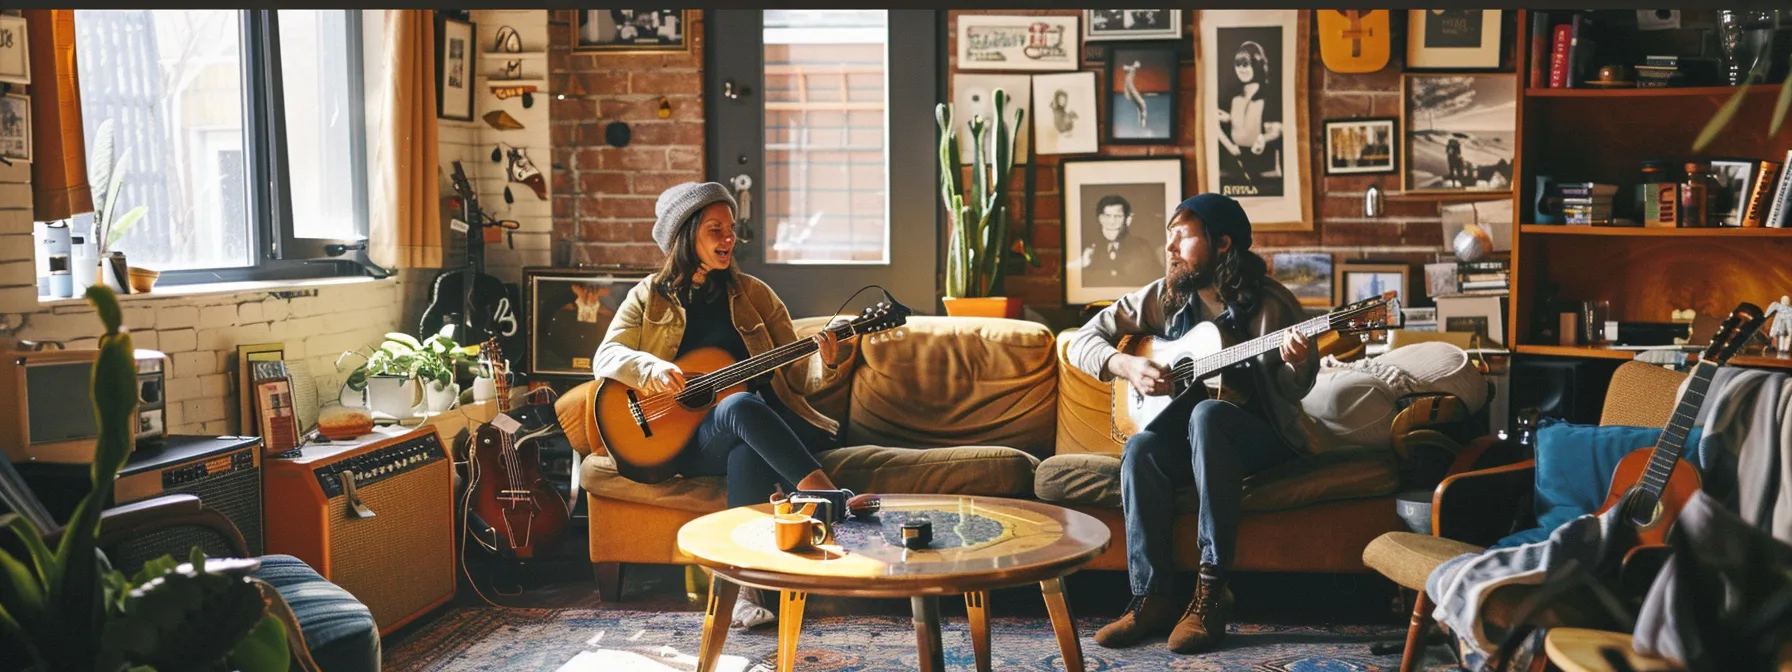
x: 339, y: 630
x: 1575, y: 464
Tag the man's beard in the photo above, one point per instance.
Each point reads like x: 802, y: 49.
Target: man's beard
x: 1184, y: 281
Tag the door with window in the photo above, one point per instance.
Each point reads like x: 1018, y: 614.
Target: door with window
x: 825, y: 119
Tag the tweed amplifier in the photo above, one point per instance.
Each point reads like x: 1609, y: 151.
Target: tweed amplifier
x: 374, y: 515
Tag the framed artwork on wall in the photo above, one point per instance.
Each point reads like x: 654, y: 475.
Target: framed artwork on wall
x: 1141, y: 94
x: 15, y: 127
x: 1359, y: 146
x: 1734, y: 177
x: 570, y: 310
x: 1357, y: 282
x: 1307, y: 274
x: 1454, y: 39
x: 1114, y: 216
x: 1018, y: 43
x: 1131, y: 24
x: 1253, y: 74
x: 1064, y: 114
x: 454, y: 68
x: 1460, y: 130
x: 15, y: 52
x: 631, y: 30
x: 974, y: 94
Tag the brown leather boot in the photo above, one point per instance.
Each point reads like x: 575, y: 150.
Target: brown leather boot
x: 1146, y: 616
x: 1203, y: 623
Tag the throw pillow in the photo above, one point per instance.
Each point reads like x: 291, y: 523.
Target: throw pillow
x: 1575, y: 464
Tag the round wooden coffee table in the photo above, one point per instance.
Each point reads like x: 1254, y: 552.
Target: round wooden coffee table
x: 979, y: 544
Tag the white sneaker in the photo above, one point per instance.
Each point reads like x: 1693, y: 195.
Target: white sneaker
x: 749, y: 615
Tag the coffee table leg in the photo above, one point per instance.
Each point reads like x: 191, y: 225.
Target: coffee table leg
x: 927, y: 633
x: 790, y: 627
x: 976, y: 605
x: 1062, y: 625
x: 716, y: 616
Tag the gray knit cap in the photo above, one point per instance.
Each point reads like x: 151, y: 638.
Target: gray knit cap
x: 680, y: 202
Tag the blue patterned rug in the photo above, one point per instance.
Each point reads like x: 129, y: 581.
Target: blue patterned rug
x: 610, y: 640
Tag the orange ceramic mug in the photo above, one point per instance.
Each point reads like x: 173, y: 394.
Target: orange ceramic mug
x: 797, y: 532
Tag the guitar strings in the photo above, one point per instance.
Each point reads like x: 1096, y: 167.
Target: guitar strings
x: 1188, y: 368
x: 657, y: 405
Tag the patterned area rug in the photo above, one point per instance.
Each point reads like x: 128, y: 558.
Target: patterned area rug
x: 608, y: 640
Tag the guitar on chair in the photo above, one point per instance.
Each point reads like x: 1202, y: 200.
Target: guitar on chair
x: 1651, y: 485
x: 1197, y: 360
x: 1353, y: 40
x: 646, y: 434
x: 474, y: 301
x: 504, y: 467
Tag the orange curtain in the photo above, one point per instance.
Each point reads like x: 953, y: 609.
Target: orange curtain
x: 59, y: 152
x: 406, y: 229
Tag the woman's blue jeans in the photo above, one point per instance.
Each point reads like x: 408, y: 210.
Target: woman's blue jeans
x: 755, y: 445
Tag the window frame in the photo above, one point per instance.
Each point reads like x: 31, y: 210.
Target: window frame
x: 276, y: 252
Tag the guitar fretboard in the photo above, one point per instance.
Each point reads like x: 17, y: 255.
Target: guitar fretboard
x: 1248, y: 349
x: 708, y: 384
x: 1673, y: 438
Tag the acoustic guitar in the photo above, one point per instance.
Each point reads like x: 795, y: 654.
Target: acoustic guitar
x: 1651, y: 485
x: 1353, y: 40
x: 506, y: 488
x: 646, y: 434
x: 1198, y: 359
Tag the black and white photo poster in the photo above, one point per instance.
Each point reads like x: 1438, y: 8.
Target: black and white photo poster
x: 1064, y: 116
x: 1114, y: 224
x: 1460, y: 132
x: 1252, y: 80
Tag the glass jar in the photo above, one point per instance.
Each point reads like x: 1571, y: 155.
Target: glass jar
x: 1698, y: 192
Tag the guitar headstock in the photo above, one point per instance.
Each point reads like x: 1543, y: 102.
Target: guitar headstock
x: 500, y: 368
x: 880, y: 317
x: 1733, y: 334
x: 1371, y: 315
x: 462, y: 187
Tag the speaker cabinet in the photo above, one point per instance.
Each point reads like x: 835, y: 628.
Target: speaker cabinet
x: 374, y: 516
x: 1571, y: 389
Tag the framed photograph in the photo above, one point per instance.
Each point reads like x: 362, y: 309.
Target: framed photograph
x: 974, y: 94
x: 1359, y: 146
x: 454, y: 68
x: 1454, y: 39
x: 15, y: 127
x: 1357, y: 282
x: 631, y: 30
x: 1142, y: 94
x: 1440, y: 279
x: 1483, y: 315
x: 1028, y: 43
x: 1114, y: 235
x: 1064, y: 114
x: 1460, y: 132
x: 569, y: 311
x: 1308, y: 275
x: 1131, y: 24
x: 15, y: 53
x: 1734, y: 176
x: 1253, y: 74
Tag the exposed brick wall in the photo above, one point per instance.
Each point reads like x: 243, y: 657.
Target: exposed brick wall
x: 1407, y: 232
x: 604, y: 195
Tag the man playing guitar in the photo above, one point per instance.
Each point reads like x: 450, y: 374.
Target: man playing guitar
x: 1211, y: 444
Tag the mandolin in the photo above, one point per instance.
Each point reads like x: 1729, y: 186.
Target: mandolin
x: 646, y: 434
x: 1651, y: 485
x: 1353, y: 40
x: 506, y: 489
x: 1198, y: 359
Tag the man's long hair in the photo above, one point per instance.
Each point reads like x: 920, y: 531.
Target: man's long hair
x: 1238, y: 274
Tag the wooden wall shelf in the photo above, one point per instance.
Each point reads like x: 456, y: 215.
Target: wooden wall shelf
x: 1652, y: 232
x: 1669, y: 92
x: 1761, y: 361
x: 1587, y: 351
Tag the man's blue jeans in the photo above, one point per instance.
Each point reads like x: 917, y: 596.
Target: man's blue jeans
x: 1219, y: 446
x: 755, y: 446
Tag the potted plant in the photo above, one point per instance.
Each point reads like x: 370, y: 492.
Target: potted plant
x: 107, y: 172
x: 978, y: 219
x: 403, y: 372
x: 66, y: 609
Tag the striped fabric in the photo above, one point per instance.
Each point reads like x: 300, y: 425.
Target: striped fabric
x: 339, y: 630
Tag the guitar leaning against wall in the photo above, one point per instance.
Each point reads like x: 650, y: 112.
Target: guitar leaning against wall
x: 474, y: 301
x: 504, y: 468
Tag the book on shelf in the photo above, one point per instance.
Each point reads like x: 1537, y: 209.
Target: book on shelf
x: 1754, y: 211
x: 1776, y: 214
x: 1540, y: 46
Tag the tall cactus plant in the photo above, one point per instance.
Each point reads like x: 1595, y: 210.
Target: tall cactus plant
x: 979, y: 218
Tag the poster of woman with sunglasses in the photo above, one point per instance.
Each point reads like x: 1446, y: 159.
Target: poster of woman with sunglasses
x: 1251, y: 70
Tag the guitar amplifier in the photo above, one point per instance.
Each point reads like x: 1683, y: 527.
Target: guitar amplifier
x: 374, y: 515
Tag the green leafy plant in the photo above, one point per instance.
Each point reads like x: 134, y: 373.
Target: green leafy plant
x: 1726, y: 113
x: 978, y: 219
x: 107, y: 171
x: 433, y: 359
x: 70, y: 611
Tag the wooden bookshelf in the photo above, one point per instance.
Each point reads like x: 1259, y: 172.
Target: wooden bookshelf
x: 1633, y: 92
x: 1652, y: 232
x: 1590, y: 351
x: 1762, y: 361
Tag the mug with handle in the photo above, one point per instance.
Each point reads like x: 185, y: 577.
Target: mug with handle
x: 797, y: 532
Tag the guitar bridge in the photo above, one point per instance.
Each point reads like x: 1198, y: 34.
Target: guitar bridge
x: 634, y: 409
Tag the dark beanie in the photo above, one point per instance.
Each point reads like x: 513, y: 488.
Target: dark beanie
x: 1222, y: 216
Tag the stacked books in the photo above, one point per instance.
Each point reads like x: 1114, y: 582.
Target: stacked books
x: 1767, y: 203
x: 1584, y: 203
x: 1658, y: 72
x: 1482, y: 277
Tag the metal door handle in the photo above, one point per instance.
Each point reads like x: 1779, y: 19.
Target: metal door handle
x: 734, y: 92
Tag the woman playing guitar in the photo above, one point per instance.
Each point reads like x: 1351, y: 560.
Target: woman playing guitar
x: 761, y: 440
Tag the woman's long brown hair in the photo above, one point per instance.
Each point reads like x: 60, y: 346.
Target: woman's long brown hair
x: 674, y: 277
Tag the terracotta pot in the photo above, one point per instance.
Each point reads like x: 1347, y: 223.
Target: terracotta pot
x: 143, y: 279
x: 992, y: 306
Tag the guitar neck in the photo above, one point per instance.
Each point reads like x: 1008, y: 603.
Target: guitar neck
x: 763, y: 363
x: 1672, y: 443
x: 1253, y: 348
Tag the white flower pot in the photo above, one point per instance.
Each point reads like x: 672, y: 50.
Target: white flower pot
x: 441, y: 397
x: 485, y: 389
x: 393, y: 395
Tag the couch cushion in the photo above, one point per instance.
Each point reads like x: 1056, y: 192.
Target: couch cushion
x: 1345, y: 473
x: 968, y: 470
x: 1084, y: 408
x: 992, y: 471
x: 956, y: 381
x: 1407, y: 559
x: 339, y: 630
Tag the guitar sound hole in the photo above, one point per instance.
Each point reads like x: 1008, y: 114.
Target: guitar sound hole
x: 1641, y: 510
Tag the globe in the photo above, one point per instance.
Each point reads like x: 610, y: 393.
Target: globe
x: 1472, y: 243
